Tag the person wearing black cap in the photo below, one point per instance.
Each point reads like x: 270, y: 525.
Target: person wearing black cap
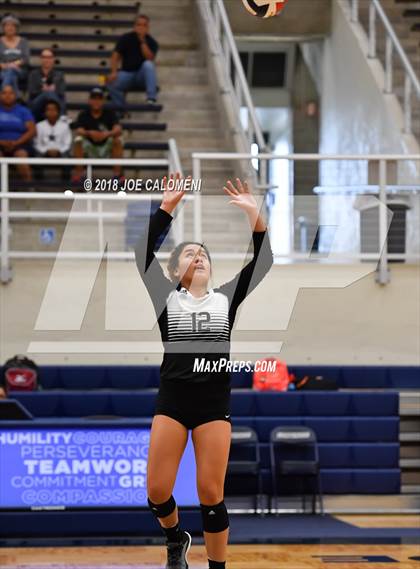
x: 98, y: 133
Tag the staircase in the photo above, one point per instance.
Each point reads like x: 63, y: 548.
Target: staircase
x: 404, y: 16
x: 83, y: 36
x: 410, y: 442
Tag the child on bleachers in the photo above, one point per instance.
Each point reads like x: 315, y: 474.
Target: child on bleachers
x: 54, y: 137
x: 14, y: 54
x: 45, y: 83
x: 17, y: 130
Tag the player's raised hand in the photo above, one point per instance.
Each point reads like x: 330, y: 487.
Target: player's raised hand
x: 241, y: 196
x: 173, y: 192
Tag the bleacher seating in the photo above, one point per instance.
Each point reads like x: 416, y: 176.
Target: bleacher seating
x: 82, y: 46
x: 413, y: 16
x: 140, y: 377
x: 357, y: 430
x: 310, y: 406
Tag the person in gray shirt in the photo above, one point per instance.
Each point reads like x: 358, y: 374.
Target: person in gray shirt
x: 14, y: 54
x: 45, y: 83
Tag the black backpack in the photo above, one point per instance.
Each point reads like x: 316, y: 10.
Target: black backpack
x: 316, y: 383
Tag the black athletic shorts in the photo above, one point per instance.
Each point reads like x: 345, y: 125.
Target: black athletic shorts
x: 193, y: 404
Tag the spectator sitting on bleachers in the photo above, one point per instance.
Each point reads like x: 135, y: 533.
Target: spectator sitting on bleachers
x: 98, y: 133
x: 14, y: 54
x: 17, y: 129
x: 53, y: 138
x: 46, y: 83
x: 135, y: 51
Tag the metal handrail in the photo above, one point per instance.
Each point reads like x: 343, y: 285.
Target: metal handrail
x: 411, y: 82
x: 176, y: 167
x: 383, y: 256
x: 304, y: 157
x: 241, y: 85
x: 90, y: 197
x: 174, y: 160
x: 218, y: 29
x: 383, y: 276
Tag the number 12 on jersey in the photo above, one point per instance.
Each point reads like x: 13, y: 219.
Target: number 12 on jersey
x: 199, y: 320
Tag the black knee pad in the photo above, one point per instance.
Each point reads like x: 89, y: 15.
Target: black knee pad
x: 164, y: 509
x: 215, y: 518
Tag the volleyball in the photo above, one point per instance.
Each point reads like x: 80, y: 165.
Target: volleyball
x: 264, y: 8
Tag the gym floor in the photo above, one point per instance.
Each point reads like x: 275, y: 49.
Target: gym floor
x: 284, y: 556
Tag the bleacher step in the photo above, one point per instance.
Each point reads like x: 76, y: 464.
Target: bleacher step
x: 71, y: 47
x: 98, y: 60
x: 89, y: 28
x: 410, y: 463
x: 410, y: 437
x: 410, y: 489
x: 57, y: 6
x: 167, y: 76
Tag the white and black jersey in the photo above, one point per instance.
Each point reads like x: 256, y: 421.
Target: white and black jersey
x: 195, y: 327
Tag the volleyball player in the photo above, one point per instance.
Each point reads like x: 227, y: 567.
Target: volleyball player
x: 195, y: 320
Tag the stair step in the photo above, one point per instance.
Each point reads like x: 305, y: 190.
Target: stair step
x: 131, y: 126
x: 158, y: 27
x: 80, y: 73
x: 197, y: 137
x: 80, y: 23
x: 100, y: 62
x: 101, y: 16
x: 177, y: 76
x: 409, y: 463
x: 70, y: 48
x: 131, y: 145
x: 410, y: 489
x: 73, y: 6
x: 410, y: 437
x: 204, y: 118
x: 130, y: 107
x: 70, y: 42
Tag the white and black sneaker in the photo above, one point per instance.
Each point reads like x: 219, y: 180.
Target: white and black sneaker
x: 177, y: 552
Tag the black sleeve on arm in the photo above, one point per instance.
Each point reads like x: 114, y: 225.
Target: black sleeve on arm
x: 112, y: 119
x: 80, y: 122
x: 253, y: 273
x: 120, y: 46
x: 34, y: 84
x: 60, y: 84
x: 148, y: 266
x: 152, y: 44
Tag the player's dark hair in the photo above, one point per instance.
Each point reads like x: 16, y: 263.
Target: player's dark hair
x: 176, y: 253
